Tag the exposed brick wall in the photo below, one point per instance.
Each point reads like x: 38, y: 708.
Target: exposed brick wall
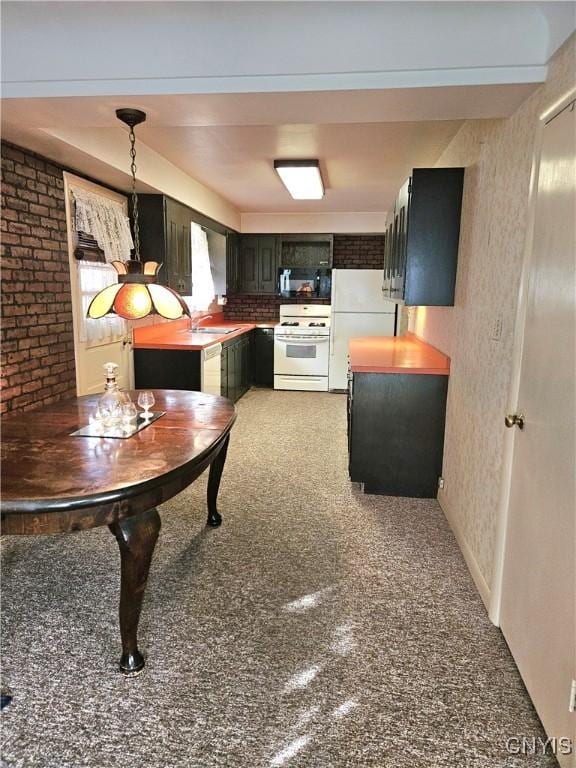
x: 260, y: 309
x: 37, y: 339
x: 358, y: 251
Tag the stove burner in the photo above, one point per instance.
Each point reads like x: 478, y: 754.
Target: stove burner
x: 317, y: 325
x: 289, y: 322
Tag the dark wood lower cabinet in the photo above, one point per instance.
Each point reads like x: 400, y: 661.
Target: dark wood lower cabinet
x: 263, y: 358
x: 180, y: 369
x: 396, y: 432
x: 167, y: 369
x: 236, y: 367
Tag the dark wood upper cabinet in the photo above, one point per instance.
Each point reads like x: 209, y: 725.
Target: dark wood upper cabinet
x: 260, y: 256
x: 248, y: 265
x: 421, y: 240
x: 306, y: 251
x: 258, y: 264
x: 267, y: 264
x: 178, y: 247
x: 232, y: 263
x: 165, y: 236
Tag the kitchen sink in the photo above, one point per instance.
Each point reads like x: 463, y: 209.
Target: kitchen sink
x: 211, y: 330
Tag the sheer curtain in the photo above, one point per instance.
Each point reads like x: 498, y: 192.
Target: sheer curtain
x: 92, y: 278
x: 106, y: 221
x: 202, y: 283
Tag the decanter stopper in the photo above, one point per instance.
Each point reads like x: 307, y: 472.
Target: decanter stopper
x: 110, y: 369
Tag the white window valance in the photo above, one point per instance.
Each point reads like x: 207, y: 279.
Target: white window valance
x: 106, y: 221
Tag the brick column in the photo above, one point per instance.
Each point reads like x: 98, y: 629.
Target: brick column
x: 37, y: 339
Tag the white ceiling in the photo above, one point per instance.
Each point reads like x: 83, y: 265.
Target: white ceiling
x: 366, y: 141
x: 360, y: 163
x: 139, y: 48
x: 371, y: 89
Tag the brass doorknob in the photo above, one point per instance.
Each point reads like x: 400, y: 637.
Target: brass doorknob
x: 514, y: 420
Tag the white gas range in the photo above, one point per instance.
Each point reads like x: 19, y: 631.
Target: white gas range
x: 302, y: 347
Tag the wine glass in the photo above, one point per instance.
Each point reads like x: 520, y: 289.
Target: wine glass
x: 129, y: 412
x: 146, y: 401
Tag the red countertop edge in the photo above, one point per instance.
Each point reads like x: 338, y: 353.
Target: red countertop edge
x: 173, y: 335
x: 397, y: 354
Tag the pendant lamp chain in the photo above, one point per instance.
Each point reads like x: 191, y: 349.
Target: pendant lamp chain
x: 134, y: 194
x: 137, y: 293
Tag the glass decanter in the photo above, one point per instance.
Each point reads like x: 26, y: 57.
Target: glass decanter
x: 110, y: 404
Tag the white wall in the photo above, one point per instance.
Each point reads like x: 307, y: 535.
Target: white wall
x: 313, y: 222
x: 498, y: 158
x: 111, y: 147
x: 178, y: 47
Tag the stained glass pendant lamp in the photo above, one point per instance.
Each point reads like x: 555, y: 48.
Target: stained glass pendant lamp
x: 136, y: 294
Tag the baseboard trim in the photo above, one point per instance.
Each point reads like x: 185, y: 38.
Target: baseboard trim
x: 468, y: 555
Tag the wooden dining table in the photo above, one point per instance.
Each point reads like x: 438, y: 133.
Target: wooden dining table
x: 57, y: 482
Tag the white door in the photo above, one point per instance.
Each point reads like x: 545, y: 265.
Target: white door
x: 95, y: 341
x: 346, y: 326
x: 538, y: 587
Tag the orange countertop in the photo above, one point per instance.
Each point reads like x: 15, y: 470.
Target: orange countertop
x: 396, y: 354
x: 176, y: 334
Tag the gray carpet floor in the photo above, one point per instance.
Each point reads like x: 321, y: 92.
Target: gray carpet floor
x: 317, y: 628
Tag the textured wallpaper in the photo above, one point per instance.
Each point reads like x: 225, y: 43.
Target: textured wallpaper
x: 497, y: 155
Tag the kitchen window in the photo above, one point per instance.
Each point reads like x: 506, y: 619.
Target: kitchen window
x: 92, y: 278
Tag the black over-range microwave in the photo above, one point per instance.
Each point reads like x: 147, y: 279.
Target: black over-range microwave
x: 304, y: 282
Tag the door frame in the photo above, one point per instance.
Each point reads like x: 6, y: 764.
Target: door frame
x: 70, y: 182
x: 548, y: 114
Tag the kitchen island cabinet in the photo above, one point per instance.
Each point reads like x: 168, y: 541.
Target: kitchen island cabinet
x: 167, y: 369
x: 396, y: 415
x: 169, y: 356
x: 181, y: 369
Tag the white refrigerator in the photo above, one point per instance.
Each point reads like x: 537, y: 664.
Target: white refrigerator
x: 358, y: 309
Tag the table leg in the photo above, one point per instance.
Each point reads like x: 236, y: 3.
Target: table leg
x: 136, y: 538
x: 5, y: 698
x: 214, y: 517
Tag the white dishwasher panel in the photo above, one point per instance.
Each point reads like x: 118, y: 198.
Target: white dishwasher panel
x: 211, y: 381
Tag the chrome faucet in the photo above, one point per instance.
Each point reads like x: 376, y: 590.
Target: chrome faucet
x: 195, y: 324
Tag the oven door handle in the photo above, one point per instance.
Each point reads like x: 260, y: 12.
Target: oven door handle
x: 302, y: 339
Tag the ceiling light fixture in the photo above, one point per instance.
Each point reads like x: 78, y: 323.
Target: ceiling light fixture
x: 136, y: 294
x: 301, y: 178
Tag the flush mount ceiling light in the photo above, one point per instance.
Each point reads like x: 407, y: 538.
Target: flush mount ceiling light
x: 136, y: 294
x: 301, y: 178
